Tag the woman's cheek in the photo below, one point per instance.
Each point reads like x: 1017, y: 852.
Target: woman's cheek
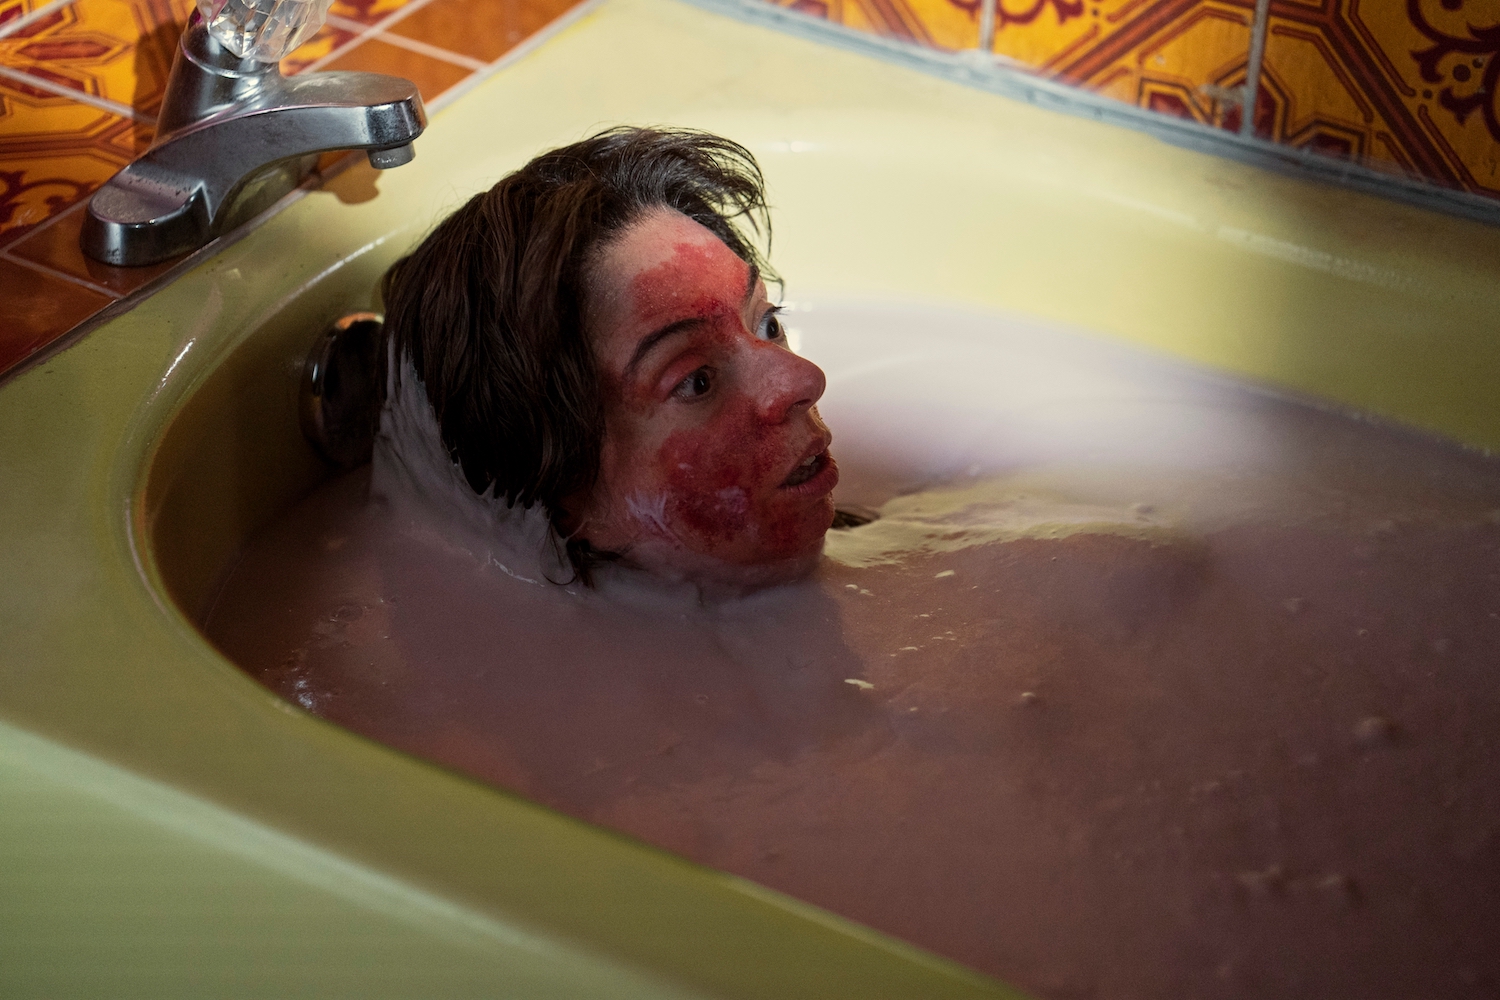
x: 722, y: 497
x: 709, y: 488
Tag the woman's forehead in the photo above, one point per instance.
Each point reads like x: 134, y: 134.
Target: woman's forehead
x: 652, y: 239
x: 661, y: 265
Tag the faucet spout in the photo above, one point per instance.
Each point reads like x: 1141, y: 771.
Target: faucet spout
x: 230, y: 128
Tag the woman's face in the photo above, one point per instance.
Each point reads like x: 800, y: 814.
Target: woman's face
x: 715, y: 464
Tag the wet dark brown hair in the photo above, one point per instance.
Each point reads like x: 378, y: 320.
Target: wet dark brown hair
x: 490, y: 308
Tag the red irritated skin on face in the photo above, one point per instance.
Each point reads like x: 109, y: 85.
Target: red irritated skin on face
x: 715, y: 466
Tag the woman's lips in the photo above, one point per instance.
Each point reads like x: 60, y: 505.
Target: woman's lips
x: 817, y: 474
x: 804, y: 471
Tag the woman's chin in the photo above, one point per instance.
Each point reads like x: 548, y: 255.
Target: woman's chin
x: 718, y: 576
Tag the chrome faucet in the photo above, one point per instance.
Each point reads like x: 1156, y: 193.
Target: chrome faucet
x: 233, y: 136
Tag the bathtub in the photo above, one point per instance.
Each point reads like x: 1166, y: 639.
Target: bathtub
x: 171, y: 828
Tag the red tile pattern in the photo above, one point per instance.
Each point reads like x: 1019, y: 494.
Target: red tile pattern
x: 1409, y: 86
x: 1186, y: 58
x: 53, y: 152
x: 13, y: 12
x: 81, y: 82
x: 116, y: 50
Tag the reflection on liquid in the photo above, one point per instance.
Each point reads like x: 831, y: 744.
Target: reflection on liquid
x: 1143, y: 685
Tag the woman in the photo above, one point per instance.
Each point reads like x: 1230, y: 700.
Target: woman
x: 595, y: 339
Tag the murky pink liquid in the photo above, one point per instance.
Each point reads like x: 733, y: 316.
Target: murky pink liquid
x: 1254, y: 753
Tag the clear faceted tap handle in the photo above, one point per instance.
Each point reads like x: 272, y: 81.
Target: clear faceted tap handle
x: 267, y: 30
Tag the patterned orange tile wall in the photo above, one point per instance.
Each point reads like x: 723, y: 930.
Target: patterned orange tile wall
x: 81, y: 82
x: 1407, y: 86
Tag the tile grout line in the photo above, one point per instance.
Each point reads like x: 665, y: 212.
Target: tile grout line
x: 33, y: 17
x: 82, y: 97
x: 522, y: 49
x: 1255, y: 58
x: 987, y: 25
x: 369, y: 31
x: 426, y: 49
x: 349, y: 24
x: 399, y: 14
x: 63, y: 275
x: 49, y: 222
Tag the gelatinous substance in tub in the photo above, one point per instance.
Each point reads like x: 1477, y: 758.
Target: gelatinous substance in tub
x: 1145, y: 684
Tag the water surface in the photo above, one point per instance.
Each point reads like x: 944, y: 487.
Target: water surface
x: 1145, y: 684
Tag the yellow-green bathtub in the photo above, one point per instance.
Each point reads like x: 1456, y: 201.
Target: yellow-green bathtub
x: 170, y: 828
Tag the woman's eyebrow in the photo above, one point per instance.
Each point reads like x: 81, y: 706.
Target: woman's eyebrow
x: 650, y: 341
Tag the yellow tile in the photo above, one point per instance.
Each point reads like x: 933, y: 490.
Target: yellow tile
x: 1183, y: 57
x: 1193, y: 67
x: 1445, y: 66
x: 1048, y: 33
x: 1408, y: 88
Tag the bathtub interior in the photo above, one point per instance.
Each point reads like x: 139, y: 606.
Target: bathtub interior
x: 234, y: 455
x: 161, y: 443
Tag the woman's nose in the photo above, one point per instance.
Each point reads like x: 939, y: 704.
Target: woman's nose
x: 790, y: 384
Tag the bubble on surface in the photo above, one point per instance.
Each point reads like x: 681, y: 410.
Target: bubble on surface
x: 1376, y: 731
x: 1341, y: 888
x: 1268, y: 881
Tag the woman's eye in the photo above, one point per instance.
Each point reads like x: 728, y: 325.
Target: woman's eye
x: 694, y: 385
x: 770, y: 327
